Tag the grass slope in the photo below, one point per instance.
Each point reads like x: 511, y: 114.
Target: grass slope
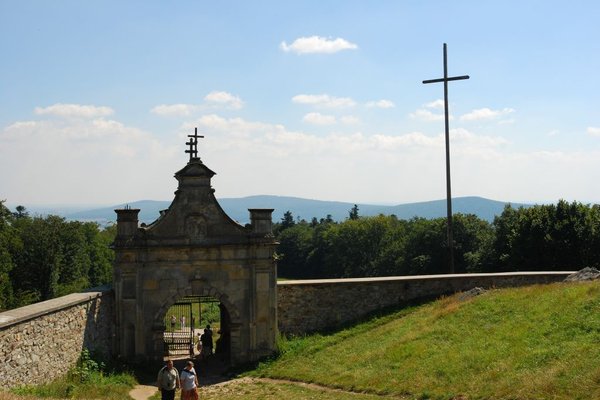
x: 538, y: 342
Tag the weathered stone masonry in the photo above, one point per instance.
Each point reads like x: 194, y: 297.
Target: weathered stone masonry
x: 312, y: 305
x: 42, y: 341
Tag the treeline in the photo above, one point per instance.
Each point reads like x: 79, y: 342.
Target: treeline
x: 564, y: 236
x: 42, y: 258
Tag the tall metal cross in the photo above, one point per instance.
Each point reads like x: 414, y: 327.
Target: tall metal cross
x: 193, y: 143
x: 447, y: 79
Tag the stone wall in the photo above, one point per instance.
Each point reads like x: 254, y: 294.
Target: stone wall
x: 313, y: 305
x: 42, y: 341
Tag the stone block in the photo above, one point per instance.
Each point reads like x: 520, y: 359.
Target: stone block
x: 151, y: 284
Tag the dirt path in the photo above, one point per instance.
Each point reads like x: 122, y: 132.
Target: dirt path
x: 231, y: 386
x: 142, y: 392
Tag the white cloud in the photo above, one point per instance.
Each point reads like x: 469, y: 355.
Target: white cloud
x: 507, y: 121
x: 263, y: 134
x: 319, y: 119
x: 95, y: 160
x: 349, y: 120
x: 324, y: 100
x: 224, y: 98
x: 436, y: 104
x: 309, y: 165
x: 485, y: 113
x: 177, y: 110
x: 380, y: 104
x: 96, y: 131
x: 213, y: 100
x: 413, y: 139
x: 317, y: 44
x: 462, y: 136
x: 103, y: 160
x: 427, y: 115
x: 74, y: 110
x: 593, y: 131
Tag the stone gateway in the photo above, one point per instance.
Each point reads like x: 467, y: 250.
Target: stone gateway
x: 194, y: 250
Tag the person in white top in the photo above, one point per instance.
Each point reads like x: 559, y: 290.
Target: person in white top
x: 189, y: 382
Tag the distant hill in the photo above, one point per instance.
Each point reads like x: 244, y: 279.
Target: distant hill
x: 237, y: 208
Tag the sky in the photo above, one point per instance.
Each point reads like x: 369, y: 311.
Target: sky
x: 314, y: 99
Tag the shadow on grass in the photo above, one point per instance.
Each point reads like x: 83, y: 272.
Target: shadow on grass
x: 374, y: 318
x: 213, y: 371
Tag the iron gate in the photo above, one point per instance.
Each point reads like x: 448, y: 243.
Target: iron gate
x: 183, y: 323
x: 179, y: 327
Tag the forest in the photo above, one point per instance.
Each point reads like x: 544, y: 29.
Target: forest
x: 46, y: 257
x: 562, y: 236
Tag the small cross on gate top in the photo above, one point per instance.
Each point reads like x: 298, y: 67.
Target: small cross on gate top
x: 193, y: 143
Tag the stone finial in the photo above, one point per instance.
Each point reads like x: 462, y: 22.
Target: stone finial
x: 127, y: 221
x: 260, y: 220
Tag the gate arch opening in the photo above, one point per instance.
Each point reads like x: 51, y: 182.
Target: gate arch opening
x: 197, y: 327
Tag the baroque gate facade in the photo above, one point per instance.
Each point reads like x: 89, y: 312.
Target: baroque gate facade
x: 195, y: 250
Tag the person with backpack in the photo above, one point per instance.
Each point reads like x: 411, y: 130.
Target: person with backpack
x: 168, y: 381
x: 189, y: 382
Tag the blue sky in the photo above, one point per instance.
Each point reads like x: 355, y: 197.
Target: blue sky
x: 321, y: 100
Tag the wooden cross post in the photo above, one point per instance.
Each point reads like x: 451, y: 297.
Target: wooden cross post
x: 447, y: 79
x: 193, y: 143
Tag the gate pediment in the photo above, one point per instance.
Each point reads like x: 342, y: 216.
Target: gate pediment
x: 195, y: 215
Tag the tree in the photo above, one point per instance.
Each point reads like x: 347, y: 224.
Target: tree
x: 295, y: 244
x: 37, y: 272
x: 101, y: 255
x: 8, y: 242
x: 353, y: 213
x: 473, y: 239
x: 287, y: 221
x: 353, y: 247
x: 49, y: 257
x: 547, y: 237
x: 426, y: 247
x: 21, y: 212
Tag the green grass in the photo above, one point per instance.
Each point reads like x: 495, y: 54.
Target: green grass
x: 99, y: 386
x: 90, y: 379
x: 538, y: 342
x: 210, y: 315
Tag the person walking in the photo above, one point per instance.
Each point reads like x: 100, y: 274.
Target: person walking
x: 207, y: 342
x: 168, y: 381
x: 189, y: 382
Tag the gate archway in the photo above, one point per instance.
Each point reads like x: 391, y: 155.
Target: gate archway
x: 187, y: 320
x: 194, y: 251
